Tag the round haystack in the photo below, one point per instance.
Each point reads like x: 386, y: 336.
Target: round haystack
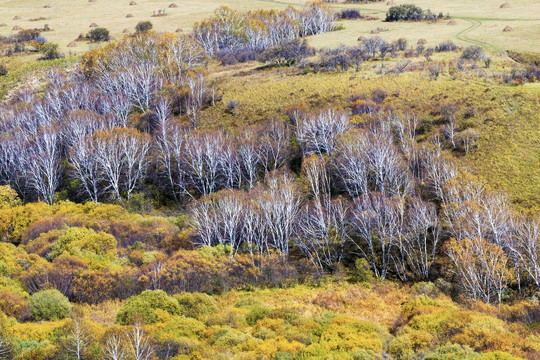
x: 48, y: 6
x: 93, y: 25
x: 451, y: 22
x: 16, y: 28
x: 179, y: 30
x: 17, y: 18
x: 173, y: 5
x: 72, y: 44
x: 362, y: 38
x: 374, y: 32
x: 3, y: 24
x: 126, y: 31
x: 132, y: 3
x: 505, y: 6
x: 422, y: 42
x: 507, y: 29
x: 129, y: 15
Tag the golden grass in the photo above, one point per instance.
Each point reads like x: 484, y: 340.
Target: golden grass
x: 69, y: 18
x: 479, y: 22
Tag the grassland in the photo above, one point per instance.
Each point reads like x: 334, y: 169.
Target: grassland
x: 479, y: 22
x: 69, y: 18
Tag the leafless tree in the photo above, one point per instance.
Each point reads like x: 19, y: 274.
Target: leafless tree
x: 248, y: 151
x: 230, y: 164
x: 203, y: 160
x: 78, y: 339
x: 13, y: 162
x: 155, y: 274
x: 350, y: 163
x: 183, y: 55
x: 121, y: 155
x: 524, y: 246
x: 481, y: 268
x: 132, y: 69
x: 85, y: 167
x: 467, y: 138
x: 254, y: 231
x: 42, y: 159
x: 5, y: 348
x: 323, y: 231
x: 316, y: 133
x: 170, y: 142
x: 140, y: 346
x: 219, y: 219
x: 79, y: 124
x: 436, y: 170
x: 114, y: 349
x: 375, y: 222
x: 417, y: 242
x: 194, y: 101
x: 450, y: 131
x: 274, y: 141
x: 388, y: 171
x: 280, y: 207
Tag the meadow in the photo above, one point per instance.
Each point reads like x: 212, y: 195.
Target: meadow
x: 479, y: 22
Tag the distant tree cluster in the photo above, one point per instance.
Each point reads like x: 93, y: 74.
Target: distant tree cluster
x: 350, y: 14
x: 411, y: 12
x: 230, y: 33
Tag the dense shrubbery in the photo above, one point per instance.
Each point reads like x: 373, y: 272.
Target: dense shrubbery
x: 50, y: 51
x: 350, y: 14
x: 473, y: 52
x: 287, y: 53
x: 144, y: 26
x: 99, y: 34
x: 49, y: 305
x: 410, y: 12
x: 446, y: 46
x: 143, y: 307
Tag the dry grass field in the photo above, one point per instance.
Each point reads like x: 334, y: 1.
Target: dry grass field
x: 477, y: 22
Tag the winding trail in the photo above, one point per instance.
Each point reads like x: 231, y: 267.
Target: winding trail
x: 474, y: 24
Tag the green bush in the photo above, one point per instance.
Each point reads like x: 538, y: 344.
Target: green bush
x: 473, y: 52
x: 229, y: 338
x: 450, y: 352
x: 50, y: 51
x: 179, y: 327
x: 49, y: 305
x: 143, y: 307
x: 144, y: 26
x: 256, y: 314
x: 361, y: 271
x: 405, y: 12
x: 425, y: 288
x: 364, y: 354
x: 196, y: 305
x: 3, y: 70
x: 99, y: 34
